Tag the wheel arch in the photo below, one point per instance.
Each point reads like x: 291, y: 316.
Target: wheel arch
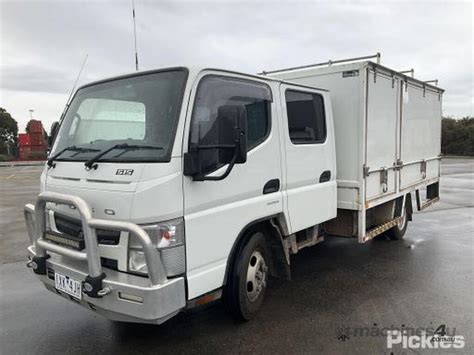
x: 280, y: 263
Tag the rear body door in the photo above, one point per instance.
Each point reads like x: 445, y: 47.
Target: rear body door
x: 310, y: 189
x: 420, y: 138
x: 382, y: 134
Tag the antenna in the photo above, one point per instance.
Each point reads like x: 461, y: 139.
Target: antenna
x: 74, y: 86
x: 135, y: 35
x: 78, y: 76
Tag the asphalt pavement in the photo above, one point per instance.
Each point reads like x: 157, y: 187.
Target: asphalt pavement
x: 341, y: 296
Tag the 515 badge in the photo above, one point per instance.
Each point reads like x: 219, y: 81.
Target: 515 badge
x: 124, y: 172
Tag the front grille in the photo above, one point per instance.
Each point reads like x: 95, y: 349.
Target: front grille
x: 72, y: 227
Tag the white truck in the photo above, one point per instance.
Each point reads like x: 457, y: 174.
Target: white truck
x: 172, y: 188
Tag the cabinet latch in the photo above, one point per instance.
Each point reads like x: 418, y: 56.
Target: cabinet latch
x: 366, y: 170
x: 384, y: 179
x: 423, y: 169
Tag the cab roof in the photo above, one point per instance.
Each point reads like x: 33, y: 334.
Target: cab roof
x: 194, y: 71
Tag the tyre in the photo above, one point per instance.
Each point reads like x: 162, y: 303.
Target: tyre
x: 246, y: 287
x: 398, y: 232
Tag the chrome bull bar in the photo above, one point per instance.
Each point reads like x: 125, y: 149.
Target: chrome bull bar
x: 35, y: 217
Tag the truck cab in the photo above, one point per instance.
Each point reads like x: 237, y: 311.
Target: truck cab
x: 170, y: 188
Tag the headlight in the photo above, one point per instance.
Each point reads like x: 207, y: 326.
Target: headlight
x: 168, y: 238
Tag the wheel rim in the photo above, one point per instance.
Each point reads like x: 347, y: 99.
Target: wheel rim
x: 401, y: 224
x: 256, y: 275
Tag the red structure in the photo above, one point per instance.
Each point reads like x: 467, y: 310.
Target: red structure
x: 32, y: 145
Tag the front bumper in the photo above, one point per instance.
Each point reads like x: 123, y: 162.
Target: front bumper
x: 115, y: 295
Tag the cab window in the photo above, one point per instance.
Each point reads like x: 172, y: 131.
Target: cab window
x: 306, y: 118
x: 214, y: 93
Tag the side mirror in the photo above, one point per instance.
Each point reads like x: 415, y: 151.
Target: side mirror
x: 232, y: 132
x: 53, y: 133
x: 230, y: 129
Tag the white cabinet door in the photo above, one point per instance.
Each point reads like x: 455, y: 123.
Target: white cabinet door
x: 310, y: 188
x: 382, y: 121
x: 420, y: 135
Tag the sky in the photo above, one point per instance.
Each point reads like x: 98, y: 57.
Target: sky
x: 43, y: 43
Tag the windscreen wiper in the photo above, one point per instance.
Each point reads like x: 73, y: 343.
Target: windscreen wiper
x: 91, y: 163
x: 71, y: 148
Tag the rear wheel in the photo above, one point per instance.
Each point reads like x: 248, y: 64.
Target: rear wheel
x: 246, y: 287
x: 398, y: 232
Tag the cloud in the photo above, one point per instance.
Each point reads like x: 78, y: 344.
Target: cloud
x: 35, y: 79
x: 43, y: 43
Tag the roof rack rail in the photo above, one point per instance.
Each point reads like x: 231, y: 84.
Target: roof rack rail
x: 329, y: 63
x: 411, y: 71
x: 435, y: 81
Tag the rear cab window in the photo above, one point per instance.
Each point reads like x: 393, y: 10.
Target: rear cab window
x: 306, y: 117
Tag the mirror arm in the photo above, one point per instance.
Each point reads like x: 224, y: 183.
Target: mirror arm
x: 221, y: 177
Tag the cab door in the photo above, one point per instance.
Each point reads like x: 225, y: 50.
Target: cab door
x: 307, y: 127
x: 216, y: 212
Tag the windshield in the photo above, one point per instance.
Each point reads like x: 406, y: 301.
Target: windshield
x: 138, y: 110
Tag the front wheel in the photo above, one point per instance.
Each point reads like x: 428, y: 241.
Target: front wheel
x: 398, y: 232
x: 246, y: 287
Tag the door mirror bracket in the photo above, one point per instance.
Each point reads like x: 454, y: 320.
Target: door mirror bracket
x: 233, y: 135
x: 192, y: 164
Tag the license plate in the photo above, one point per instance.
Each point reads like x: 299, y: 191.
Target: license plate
x: 68, y: 285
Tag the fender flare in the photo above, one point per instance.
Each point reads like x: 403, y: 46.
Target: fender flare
x: 242, y: 238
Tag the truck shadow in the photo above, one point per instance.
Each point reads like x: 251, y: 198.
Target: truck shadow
x: 321, y: 274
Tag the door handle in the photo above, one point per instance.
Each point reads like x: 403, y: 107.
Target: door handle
x: 325, y: 176
x: 271, y: 186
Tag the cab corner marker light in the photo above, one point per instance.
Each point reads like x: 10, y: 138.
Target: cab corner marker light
x: 168, y: 235
x: 165, y: 241
x: 205, y: 299
x: 208, y: 298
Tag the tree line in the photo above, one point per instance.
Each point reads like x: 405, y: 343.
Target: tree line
x: 457, y: 136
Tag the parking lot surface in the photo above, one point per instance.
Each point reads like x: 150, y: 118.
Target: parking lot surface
x: 339, y: 290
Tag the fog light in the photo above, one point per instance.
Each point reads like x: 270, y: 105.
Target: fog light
x: 129, y: 297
